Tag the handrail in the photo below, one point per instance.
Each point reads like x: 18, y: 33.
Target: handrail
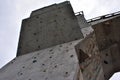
x: 104, y: 16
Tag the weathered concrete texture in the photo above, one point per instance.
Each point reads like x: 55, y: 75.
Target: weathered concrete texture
x: 86, y: 31
x: 55, y: 63
x: 107, y: 33
x: 47, y: 27
x: 110, y: 61
x: 89, y: 59
x: 81, y: 20
x: 85, y: 27
x: 108, y: 40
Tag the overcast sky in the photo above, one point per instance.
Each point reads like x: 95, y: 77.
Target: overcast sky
x: 13, y: 11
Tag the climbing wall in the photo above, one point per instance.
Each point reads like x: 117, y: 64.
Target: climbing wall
x: 108, y: 40
x: 47, y: 27
x: 90, y: 59
x: 55, y: 63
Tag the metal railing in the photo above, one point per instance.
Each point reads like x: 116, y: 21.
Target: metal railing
x: 104, y: 16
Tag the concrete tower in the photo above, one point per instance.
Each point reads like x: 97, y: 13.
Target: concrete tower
x: 47, y: 27
x: 57, y: 44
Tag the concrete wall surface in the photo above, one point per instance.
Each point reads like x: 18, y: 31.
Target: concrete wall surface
x: 50, y: 28
x: 85, y: 27
x: 82, y: 21
x: 90, y: 59
x: 56, y: 63
x: 108, y: 39
x: 110, y: 60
